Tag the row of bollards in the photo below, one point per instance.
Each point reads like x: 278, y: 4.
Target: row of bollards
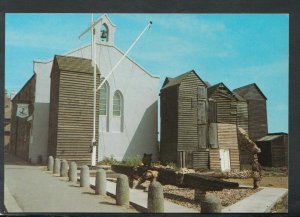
x: 155, y: 203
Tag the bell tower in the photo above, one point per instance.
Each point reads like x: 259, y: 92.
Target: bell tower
x: 105, y: 31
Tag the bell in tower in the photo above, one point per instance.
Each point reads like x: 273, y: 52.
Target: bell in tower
x: 104, y: 35
x: 105, y: 31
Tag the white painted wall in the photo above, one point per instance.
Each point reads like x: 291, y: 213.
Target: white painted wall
x: 39, y: 138
x: 140, y: 93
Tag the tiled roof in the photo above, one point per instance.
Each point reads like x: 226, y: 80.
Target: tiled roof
x: 75, y: 64
x: 271, y: 136
x: 244, y: 90
x: 177, y: 80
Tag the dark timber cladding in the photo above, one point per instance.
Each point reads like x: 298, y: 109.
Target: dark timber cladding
x: 257, y: 110
x: 226, y: 104
x: 274, y: 150
x: 223, y: 127
x: 21, y: 127
x: 71, y: 109
x: 242, y: 112
x: 183, y: 118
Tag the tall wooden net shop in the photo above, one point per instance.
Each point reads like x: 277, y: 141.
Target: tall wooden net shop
x: 71, y: 106
x: 200, y: 124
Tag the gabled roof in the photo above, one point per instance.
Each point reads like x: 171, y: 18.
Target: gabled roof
x: 74, y: 64
x: 29, y: 80
x: 212, y: 89
x: 170, y: 82
x: 271, y: 136
x: 107, y: 17
x: 244, y: 90
x: 239, y: 97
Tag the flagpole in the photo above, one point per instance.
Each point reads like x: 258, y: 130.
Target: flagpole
x: 94, y: 91
x: 93, y: 58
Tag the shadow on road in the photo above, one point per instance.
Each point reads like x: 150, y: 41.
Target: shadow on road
x: 10, y: 159
x: 107, y: 203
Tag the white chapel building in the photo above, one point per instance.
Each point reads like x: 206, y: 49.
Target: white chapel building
x: 128, y: 101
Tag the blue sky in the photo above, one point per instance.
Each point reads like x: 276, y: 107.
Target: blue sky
x: 236, y: 49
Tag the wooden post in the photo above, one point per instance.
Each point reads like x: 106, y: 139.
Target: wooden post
x: 199, y: 195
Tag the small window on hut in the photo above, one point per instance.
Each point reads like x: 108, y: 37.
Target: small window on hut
x: 104, y: 90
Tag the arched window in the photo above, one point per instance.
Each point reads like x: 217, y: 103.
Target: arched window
x: 104, y: 96
x: 104, y: 33
x: 117, y: 104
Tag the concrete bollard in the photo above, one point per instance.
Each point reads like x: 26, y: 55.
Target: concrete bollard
x: 50, y: 163
x: 100, y: 183
x: 64, y: 168
x: 73, y: 172
x: 56, y: 169
x: 122, y: 191
x: 211, y: 204
x: 84, y: 176
x: 155, y: 198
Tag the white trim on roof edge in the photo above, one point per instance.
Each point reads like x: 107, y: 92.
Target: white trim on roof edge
x: 100, y: 44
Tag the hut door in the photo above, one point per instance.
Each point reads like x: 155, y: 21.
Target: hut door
x: 202, y: 117
x: 202, y: 125
x: 224, y: 160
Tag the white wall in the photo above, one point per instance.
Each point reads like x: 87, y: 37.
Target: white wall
x: 40, y: 123
x: 140, y: 93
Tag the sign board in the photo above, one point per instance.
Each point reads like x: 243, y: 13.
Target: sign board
x: 22, y: 110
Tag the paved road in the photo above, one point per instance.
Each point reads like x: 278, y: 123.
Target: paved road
x: 35, y: 190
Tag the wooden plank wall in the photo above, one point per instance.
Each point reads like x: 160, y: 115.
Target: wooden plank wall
x: 242, y: 115
x: 53, y: 116
x: 13, y: 129
x: 212, y: 111
x: 169, y: 124
x: 20, y: 127
x: 227, y: 135
x: 187, y: 113
x: 200, y: 159
x: 257, y: 113
x: 226, y: 107
x: 75, y: 116
x: 214, y: 159
x: 278, y: 152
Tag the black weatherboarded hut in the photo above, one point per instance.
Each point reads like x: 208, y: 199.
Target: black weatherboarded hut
x: 257, y: 110
x: 224, y: 153
x: 184, y: 121
x: 274, y: 150
x: 71, y: 109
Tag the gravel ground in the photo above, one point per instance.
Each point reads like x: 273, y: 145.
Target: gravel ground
x: 185, y: 196
x: 281, y: 206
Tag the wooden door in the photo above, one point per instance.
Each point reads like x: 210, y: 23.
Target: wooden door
x: 213, y: 135
x: 224, y: 160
